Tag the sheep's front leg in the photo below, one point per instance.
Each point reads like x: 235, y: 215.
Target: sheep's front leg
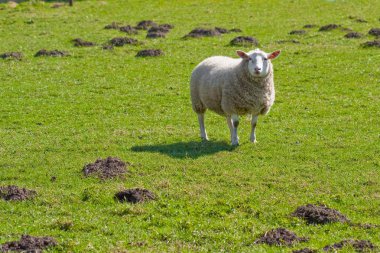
x: 201, y: 120
x: 253, y: 125
x: 234, y: 121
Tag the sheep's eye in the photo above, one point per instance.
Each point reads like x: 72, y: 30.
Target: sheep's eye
x: 265, y: 59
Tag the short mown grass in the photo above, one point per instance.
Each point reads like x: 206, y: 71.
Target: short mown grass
x: 319, y: 144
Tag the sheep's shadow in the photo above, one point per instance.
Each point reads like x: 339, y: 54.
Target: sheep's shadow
x: 190, y: 149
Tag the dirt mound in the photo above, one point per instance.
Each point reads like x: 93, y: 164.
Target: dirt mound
x: 201, y: 32
x: 134, y: 195
x: 328, y: 27
x: 113, y: 25
x: 309, y: 26
x: 128, y: 29
x: 149, y: 52
x: 358, y: 245
x: 12, y: 55
x: 314, y: 214
x: 54, y: 53
x: 161, y: 29
x: 29, y: 243
x: 374, y: 31
x: 244, y: 41
x: 305, y: 250
x: 167, y: 26
x: 297, y: 32
x: 280, y: 236
x: 78, y: 42
x: 156, y: 35
x: 13, y: 192
x: 375, y: 43
x: 145, y: 24
x: 57, y: 5
x: 121, y: 41
x: 359, y: 20
x: 110, y: 167
x: 222, y: 30
x: 353, y: 35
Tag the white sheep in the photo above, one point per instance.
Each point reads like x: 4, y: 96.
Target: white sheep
x: 232, y: 87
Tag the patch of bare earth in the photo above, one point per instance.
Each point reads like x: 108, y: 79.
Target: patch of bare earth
x: 145, y: 24
x: 12, y: 55
x: 244, y: 41
x: 149, y: 52
x: 358, y: 245
x: 121, y: 41
x: 110, y: 167
x: 78, y: 42
x: 375, y: 43
x: 321, y: 214
x: 374, y: 32
x: 202, y: 32
x: 28, y: 243
x: 279, y: 237
x: 128, y: 29
x: 13, y: 192
x: 353, y: 35
x: 135, y: 195
x: 329, y: 27
x: 297, y: 32
x: 54, y: 53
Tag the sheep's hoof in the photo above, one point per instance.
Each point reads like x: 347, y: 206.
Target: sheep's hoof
x: 204, y: 139
x: 253, y: 141
x: 235, y: 143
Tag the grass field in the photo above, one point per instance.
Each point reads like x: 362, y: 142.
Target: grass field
x: 319, y: 144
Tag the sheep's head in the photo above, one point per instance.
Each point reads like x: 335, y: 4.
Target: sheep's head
x: 258, y: 61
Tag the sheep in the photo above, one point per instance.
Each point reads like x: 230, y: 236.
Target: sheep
x: 232, y: 87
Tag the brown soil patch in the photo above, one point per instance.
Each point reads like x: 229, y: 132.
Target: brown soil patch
x: 359, y: 20
x: 358, y: 245
x: 128, y: 29
x: 29, y: 243
x: 314, y: 214
x: 154, y: 35
x: 134, y: 195
x: 244, y: 41
x: 145, y: 24
x: 13, y: 192
x: 149, y: 52
x: 113, y: 25
x: 78, y: 42
x: 167, y: 26
x: 305, y: 250
x: 328, y: 27
x: 110, y: 167
x: 222, y: 30
x: 54, y: 53
x: 309, y: 26
x: 201, y: 32
x: 375, y: 43
x: 280, y: 236
x: 297, y: 32
x: 12, y: 55
x: 374, y: 31
x: 353, y: 35
x: 121, y: 41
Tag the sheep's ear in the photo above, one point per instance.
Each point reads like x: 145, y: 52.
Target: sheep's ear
x: 274, y: 55
x: 242, y: 54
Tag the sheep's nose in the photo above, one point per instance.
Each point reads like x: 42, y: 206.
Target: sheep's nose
x: 257, y: 69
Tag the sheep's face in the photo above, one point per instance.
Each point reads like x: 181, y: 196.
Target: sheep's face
x: 258, y: 61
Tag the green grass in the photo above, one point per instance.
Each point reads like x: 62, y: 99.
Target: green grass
x: 319, y: 143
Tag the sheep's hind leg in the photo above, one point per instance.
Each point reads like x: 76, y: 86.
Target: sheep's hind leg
x: 201, y: 120
x: 253, y: 125
x: 233, y: 123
